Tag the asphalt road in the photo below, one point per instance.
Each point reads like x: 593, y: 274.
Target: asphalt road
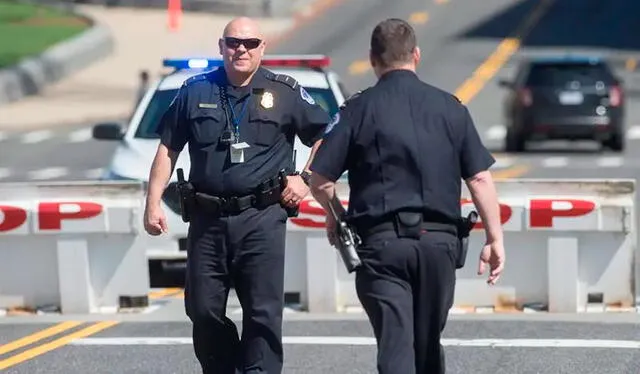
x: 326, y: 344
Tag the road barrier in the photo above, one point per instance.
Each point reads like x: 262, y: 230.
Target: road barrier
x: 570, y: 247
x: 76, y: 246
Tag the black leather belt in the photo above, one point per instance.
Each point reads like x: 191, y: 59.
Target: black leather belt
x: 267, y: 194
x: 370, y: 228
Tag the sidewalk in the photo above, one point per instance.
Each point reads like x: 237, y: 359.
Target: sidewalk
x: 107, y: 89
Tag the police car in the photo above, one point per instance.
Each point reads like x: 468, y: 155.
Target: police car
x: 138, y: 141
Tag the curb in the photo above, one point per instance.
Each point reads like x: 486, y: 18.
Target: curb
x: 33, y: 73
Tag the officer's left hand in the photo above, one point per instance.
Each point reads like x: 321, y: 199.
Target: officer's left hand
x: 295, y: 191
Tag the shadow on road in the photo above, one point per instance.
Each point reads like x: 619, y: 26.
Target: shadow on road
x: 610, y: 24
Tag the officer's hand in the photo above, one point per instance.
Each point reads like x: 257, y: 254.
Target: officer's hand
x: 295, y: 191
x: 493, y: 255
x: 331, y: 230
x: 155, y: 222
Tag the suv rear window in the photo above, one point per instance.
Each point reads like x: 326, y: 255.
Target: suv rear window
x: 560, y: 74
x: 161, y: 100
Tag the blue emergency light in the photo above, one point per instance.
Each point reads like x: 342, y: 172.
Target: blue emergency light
x: 192, y: 63
x: 310, y: 61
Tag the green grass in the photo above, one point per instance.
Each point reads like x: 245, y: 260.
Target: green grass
x: 27, y: 29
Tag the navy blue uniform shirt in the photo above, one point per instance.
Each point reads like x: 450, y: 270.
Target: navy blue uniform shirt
x: 405, y: 145
x: 270, y: 111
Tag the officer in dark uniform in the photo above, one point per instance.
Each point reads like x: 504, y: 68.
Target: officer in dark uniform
x: 406, y: 145
x: 240, y: 122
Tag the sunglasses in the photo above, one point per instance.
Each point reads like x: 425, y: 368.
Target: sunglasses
x: 234, y: 43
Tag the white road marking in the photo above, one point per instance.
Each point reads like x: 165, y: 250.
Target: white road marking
x: 94, y: 173
x: 3, y: 136
x: 357, y: 340
x: 633, y: 132
x: 555, y: 162
x: 503, y: 162
x: 610, y: 161
x: 48, y: 173
x: 4, y: 172
x: 496, y: 132
x: 36, y: 136
x: 81, y: 135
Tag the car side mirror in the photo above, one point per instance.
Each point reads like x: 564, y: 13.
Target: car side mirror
x: 108, y: 131
x: 505, y: 83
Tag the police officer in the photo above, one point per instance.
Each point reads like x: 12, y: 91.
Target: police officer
x: 240, y: 122
x: 406, y: 146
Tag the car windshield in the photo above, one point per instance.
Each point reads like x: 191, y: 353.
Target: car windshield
x: 560, y: 75
x: 161, y: 100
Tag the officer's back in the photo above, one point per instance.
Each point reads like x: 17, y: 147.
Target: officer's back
x: 406, y: 148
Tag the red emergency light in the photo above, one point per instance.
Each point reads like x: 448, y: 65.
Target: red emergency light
x: 310, y: 61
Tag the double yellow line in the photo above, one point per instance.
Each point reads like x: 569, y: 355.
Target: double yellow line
x: 54, y: 344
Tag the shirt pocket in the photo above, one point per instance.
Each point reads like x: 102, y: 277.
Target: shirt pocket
x: 207, y: 125
x: 267, y: 126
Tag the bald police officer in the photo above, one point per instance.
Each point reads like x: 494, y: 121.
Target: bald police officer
x: 240, y: 122
x: 406, y: 146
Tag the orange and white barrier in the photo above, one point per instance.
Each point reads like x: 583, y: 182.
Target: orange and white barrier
x: 570, y: 247
x: 79, y: 246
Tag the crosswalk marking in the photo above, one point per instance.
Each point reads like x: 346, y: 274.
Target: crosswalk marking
x: 4, y: 172
x: 3, y: 136
x: 496, y: 132
x: 81, y: 135
x: 613, y: 161
x: 633, y: 132
x: 94, y: 173
x: 499, y: 132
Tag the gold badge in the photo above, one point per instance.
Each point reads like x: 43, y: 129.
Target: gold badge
x: 267, y: 100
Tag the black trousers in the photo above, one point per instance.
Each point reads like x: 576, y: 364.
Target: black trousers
x: 406, y: 287
x: 249, y: 249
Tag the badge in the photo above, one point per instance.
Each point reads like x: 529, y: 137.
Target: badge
x: 237, y: 152
x: 267, y: 100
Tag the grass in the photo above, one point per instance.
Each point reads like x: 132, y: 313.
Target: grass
x: 29, y: 29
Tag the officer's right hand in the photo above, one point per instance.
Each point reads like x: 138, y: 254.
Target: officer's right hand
x: 493, y: 255
x: 155, y: 222
x: 332, y: 234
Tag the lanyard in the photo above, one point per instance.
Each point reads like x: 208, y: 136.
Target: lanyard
x: 236, y: 120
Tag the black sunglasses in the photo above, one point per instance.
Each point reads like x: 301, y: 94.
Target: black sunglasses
x: 234, y: 43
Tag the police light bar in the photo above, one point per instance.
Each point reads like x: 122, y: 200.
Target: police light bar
x: 192, y: 63
x: 311, y: 61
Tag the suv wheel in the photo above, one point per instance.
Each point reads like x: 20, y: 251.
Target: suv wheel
x: 615, y: 143
x: 514, y: 141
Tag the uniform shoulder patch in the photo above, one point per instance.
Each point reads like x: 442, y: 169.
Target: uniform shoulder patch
x: 195, y: 78
x: 306, y: 97
x: 334, y: 121
x: 285, y: 79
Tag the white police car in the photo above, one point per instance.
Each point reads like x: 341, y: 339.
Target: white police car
x: 138, y: 141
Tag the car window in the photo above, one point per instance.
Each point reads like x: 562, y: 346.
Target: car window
x: 162, y: 99
x: 562, y: 74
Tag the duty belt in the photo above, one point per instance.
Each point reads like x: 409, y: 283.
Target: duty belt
x: 266, y: 194
x: 391, y: 224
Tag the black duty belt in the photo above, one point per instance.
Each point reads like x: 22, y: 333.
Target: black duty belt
x: 267, y: 194
x: 390, y: 224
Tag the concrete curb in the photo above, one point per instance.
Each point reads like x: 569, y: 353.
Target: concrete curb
x: 33, y: 73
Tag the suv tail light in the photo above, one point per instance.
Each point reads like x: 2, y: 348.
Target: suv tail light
x: 615, y: 96
x: 524, y: 95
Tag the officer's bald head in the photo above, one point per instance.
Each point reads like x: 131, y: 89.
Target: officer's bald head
x: 393, y: 45
x: 242, y: 46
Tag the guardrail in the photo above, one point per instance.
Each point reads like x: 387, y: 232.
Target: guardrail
x: 78, y: 246
x: 570, y: 245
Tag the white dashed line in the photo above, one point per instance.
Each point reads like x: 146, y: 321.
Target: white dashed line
x: 555, y: 162
x: 48, y: 173
x: 496, y: 132
x: 633, y: 132
x: 94, y: 173
x: 610, y: 162
x: 3, y: 136
x: 81, y: 135
x: 4, y: 172
x: 36, y: 136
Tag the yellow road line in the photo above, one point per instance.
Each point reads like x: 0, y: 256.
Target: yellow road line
x: 39, y: 350
x: 419, y: 18
x: 30, y: 339
x: 631, y: 64
x: 164, y: 293
x: 490, y: 67
x: 359, y: 67
x: 512, y: 172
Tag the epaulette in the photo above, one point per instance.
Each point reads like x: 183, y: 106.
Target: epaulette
x: 195, y: 78
x: 355, y: 95
x: 283, y: 78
